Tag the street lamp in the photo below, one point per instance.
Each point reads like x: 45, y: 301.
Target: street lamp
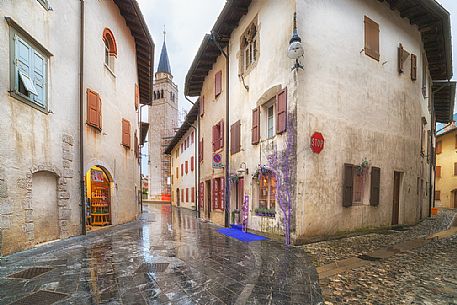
x: 295, y: 50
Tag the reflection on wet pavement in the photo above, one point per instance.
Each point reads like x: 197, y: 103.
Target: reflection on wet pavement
x: 167, y: 257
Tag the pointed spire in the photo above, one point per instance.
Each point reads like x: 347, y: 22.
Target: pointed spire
x: 164, y: 62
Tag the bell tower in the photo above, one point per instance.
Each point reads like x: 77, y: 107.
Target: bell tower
x: 163, y: 120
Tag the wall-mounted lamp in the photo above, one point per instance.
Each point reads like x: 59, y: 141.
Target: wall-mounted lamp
x: 243, y: 171
x: 295, y: 50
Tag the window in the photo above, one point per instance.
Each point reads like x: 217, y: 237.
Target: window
x: 357, y: 188
x: 353, y: 185
x: 371, y: 38
x: 218, y: 193
x: 235, y: 137
x: 267, y: 192
x: 126, y: 133
x: 270, y: 122
x: 94, y: 109
x: 110, y: 49
x: 218, y: 136
x: 438, y: 171
x: 456, y: 141
x: 249, y: 47
x: 438, y: 147
x: 437, y: 195
x: 423, y: 137
x: 218, y: 83
x: 29, y: 69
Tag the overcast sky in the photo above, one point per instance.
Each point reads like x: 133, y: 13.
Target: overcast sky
x: 187, y: 21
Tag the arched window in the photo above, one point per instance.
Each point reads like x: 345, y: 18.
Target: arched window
x: 161, y: 93
x: 110, y: 48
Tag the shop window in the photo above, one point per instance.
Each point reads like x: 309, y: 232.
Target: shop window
x: 267, y: 192
x: 248, y: 45
x: 371, y: 38
x: 110, y: 49
x: 29, y: 64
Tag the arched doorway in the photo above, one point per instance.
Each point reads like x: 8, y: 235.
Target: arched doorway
x: 98, y: 197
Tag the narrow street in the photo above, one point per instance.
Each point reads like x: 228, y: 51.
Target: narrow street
x: 167, y: 257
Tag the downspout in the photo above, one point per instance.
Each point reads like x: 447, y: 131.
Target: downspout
x: 81, y: 123
x: 227, y: 128
x: 197, y: 171
x: 141, y: 161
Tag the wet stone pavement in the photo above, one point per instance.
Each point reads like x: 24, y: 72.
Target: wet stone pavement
x: 167, y: 257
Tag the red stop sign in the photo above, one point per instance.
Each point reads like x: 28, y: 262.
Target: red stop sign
x: 317, y: 142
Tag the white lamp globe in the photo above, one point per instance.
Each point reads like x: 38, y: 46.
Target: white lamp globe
x: 295, y: 50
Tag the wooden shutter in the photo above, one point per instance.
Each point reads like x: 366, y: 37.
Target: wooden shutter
x: 438, y: 172
x: 182, y: 169
x: 187, y: 166
x: 192, y: 194
x: 202, y: 105
x: 201, y: 194
x: 218, y: 83
x: 93, y: 109
x: 221, y: 134
x: 126, y: 133
x: 413, y: 67
x: 281, y: 111
x: 200, y: 151
x: 255, y: 131
x: 235, y: 137
x: 177, y: 172
x: 187, y: 194
x: 371, y: 38
x: 348, y: 185
x: 438, y: 147
x: 136, y: 147
x: 215, y: 137
x: 455, y: 169
x: 437, y: 195
x: 375, y: 185
x: 192, y: 163
x: 137, y: 96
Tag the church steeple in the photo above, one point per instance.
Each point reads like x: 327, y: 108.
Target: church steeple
x: 164, y: 62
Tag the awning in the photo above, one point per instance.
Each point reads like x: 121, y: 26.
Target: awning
x: 443, y: 99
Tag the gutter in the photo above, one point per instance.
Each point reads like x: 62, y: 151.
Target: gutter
x: 227, y: 131
x: 81, y: 123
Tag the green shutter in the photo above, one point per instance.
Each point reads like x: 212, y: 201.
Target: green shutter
x: 38, y: 77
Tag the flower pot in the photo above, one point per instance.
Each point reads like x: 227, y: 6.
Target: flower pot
x: 434, y: 211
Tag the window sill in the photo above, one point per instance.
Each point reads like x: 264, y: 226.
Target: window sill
x: 109, y: 69
x: 27, y: 101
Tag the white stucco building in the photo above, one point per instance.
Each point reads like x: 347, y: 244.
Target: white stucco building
x: 56, y: 90
x: 372, y: 88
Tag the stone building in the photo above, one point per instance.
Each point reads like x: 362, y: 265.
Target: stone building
x: 343, y: 140
x: 446, y: 168
x: 184, y: 170
x: 163, y: 116
x: 56, y: 90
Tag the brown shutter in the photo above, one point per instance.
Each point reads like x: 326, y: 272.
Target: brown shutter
x: 255, y: 137
x: 371, y: 38
x: 94, y: 110
x: 221, y: 134
x: 202, y: 105
x: 218, y: 83
x: 235, y: 138
x: 137, y: 96
x: 413, y: 67
x: 281, y: 111
x: 187, y: 166
x: 455, y: 169
x: 136, y: 147
x: 126, y: 133
x: 438, y: 172
x: 438, y: 147
x: 375, y: 185
x: 192, y: 163
x: 177, y: 172
x: 215, y: 138
x: 193, y: 194
x: 348, y: 185
x: 437, y: 195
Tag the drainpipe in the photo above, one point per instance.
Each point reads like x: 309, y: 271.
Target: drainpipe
x: 197, y: 169
x: 81, y: 123
x: 227, y: 129
x: 141, y: 162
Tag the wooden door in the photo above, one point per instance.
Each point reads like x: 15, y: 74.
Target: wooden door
x: 396, y: 199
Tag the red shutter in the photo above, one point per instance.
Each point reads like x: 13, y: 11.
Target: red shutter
x: 255, y: 136
x: 187, y: 195
x: 99, y: 111
x: 221, y: 134
x: 438, y: 148
x: 413, y: 67
x: 200, y: 151
x: 187, y: 167
x: 216, y: 134
x: 93, y: 109
x: 192, y: 137
x: 137, y: 96
x: 202, y: 105
x: 201, y: 194
x: 222, y: 193
x: 218, y: 83
x: 182, y: 170
x: 235, y: 138
x: 215, y: 194
x: 348, y: 185
x: 438, y: 172
x: 126, y: 133
x: 281, y: 111
x: 193, y: 194
x: 192, y: 163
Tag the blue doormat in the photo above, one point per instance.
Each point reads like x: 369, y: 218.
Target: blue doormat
x: 240, y: 235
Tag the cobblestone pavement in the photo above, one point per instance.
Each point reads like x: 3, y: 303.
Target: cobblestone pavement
x: 329, y: 251
x: 427, y: 275
x: 168, y: 257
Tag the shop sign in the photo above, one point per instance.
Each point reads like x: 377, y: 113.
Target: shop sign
x: 217, y: 161
x: 317, y: 142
